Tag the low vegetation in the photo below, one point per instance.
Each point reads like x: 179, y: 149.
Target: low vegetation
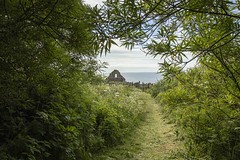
x: 89, y: 119
x: 206, y: 111
x: 118, y: 110
x: 153, y: 139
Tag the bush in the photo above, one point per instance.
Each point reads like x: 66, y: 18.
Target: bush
x: 78, y: 121
x: 118, y: 110
x: 206, y: 113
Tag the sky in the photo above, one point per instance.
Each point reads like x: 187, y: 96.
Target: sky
x: 125, y: 60
x: 93, y: 2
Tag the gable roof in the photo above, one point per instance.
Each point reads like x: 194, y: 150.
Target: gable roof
x: 116, y: 76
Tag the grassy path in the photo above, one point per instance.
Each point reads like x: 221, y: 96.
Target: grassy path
x: 154, y: 139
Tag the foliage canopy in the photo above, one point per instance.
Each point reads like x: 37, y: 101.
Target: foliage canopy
x: 179, y: 31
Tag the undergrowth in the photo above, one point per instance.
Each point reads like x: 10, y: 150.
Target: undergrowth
x: 71, y: 124
x: 118, y: 109
x: 206, y: 113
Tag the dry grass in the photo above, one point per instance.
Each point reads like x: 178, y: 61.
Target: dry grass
x: 154, y: 139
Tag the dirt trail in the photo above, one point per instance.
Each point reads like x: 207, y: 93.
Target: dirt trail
x: 154, y: 139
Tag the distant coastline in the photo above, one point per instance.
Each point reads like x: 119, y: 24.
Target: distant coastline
x: 143, y: 77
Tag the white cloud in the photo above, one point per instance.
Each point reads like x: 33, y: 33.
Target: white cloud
x: 129, y: 61
x: 93, y: 2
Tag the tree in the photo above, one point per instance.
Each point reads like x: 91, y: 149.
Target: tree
x: 178, y: 31
x: 47, y: 51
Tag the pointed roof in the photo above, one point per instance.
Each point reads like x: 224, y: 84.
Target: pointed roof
x: 115, y: 75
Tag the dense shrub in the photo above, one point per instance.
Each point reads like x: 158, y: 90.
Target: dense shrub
x: 48, y: 108
x: 118, y: 110
x: 206, y: 112
x: 78, y: 121
x: 161, y: 86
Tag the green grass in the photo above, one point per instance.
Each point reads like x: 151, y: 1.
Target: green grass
x: 154, y: 139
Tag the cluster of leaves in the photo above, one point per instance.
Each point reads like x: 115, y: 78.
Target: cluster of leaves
x: 200, y: 102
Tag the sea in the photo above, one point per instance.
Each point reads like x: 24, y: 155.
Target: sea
x: 143, y: 77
